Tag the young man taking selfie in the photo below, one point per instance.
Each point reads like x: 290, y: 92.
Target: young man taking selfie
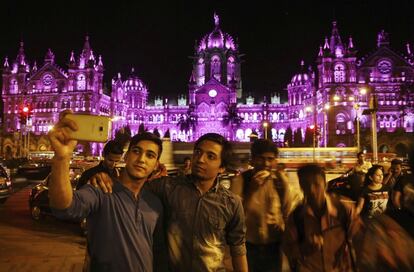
x: 125, y: 227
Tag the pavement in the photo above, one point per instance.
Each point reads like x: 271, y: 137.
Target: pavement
x: 26, y: 245
x: 50, y: 244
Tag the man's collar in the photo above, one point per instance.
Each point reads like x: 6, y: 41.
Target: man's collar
x: 192, y: 179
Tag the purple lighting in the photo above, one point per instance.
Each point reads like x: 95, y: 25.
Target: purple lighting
x: 330, y: 97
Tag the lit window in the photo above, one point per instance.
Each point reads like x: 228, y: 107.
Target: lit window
x: 339, y: 73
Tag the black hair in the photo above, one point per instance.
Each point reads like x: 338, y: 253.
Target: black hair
x: 226, y: 151
x: 187, y: 159
x: 396, y: 162
x: 359, y: 153
x: 371, y: 172
x: 113, y: 147
x: 261, y: 146
x: 309, y: 170
x: 146, y: 136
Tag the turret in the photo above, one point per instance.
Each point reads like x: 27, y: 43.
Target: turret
x: 50, y: 57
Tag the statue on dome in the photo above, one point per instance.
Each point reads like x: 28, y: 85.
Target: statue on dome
x: 216, y: 19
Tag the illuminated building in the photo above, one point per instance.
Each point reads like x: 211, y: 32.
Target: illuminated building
x: 331, y: 96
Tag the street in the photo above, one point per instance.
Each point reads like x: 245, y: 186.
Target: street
x: 27, y: 245
x: 50, y: 244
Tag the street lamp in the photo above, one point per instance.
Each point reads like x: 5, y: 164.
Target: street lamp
x: 265, y: 125
x: 356, y: 107
x: 372, y: 110
x: 325, y: 124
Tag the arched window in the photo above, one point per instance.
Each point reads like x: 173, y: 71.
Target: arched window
x: 340, y: 123
x: 240, y: 135
x: 81, y: 82
x: 339, y: 73
x: 230, y: 68
x: 215, y: 67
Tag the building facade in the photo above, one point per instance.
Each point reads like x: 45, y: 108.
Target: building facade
x: 327, y: 101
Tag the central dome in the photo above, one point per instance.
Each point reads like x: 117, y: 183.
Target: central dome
x: 217, y: 38
x: 134, y: 83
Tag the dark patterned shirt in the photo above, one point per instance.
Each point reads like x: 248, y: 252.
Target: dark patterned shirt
x: 200, y: 225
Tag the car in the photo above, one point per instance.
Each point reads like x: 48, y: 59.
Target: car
x: 39, y: 199
x: 34, y: 172
x: 5, y: 184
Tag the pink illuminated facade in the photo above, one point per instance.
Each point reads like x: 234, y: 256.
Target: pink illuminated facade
x: 331, y: 96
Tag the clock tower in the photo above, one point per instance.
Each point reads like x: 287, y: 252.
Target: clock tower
x: 337, y: 88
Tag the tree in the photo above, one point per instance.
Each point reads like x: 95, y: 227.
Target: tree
x: 288, y: 137
x: 309, y: 137
x: 232, y: 119
x: 297, y: 138
x: 123, y: 135
x: 156, y: 133
x: 167, y: 134
x: 141, y: 128
x: 253, y: 136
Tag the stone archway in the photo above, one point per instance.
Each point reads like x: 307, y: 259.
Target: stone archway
x: 8, y: 152
x: 383, y: 148
x: 401, y: 150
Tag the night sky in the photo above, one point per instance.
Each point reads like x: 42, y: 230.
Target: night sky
x: 157, y: 37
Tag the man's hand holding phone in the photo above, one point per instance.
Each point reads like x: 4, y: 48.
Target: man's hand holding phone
x: 60, y: 137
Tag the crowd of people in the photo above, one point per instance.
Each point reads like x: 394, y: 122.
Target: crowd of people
x: 141, y: 220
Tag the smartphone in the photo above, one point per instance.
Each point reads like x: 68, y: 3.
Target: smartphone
x: 91, y: 128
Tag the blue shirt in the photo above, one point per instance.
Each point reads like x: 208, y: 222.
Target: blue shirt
x: 122, y: 230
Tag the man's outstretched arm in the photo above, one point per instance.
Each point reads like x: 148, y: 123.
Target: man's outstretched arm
x: 60, y: 189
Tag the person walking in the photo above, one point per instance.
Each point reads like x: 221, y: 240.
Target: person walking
x: 319, y: 231
x: 262, y: 207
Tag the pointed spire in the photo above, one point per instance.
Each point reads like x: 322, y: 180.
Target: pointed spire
x: 382, y: 39
x: 320, y: 53
x: 408, y: 49
x: 34, y: 69
x: 302, y: 66
x: 100, y: 63
x: 21, y: 58
x: 192, y: 79
x: 72, y: 57
x: 6, y: 62
x: 326, y: 45
x: 351, y: 43
x: 91, y: 56
x: 216, y: 20
x: 132, y: 70
x: 119, y: 76
x: 335, y: 38
x: 86, y: 45
x: 50, y: 57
